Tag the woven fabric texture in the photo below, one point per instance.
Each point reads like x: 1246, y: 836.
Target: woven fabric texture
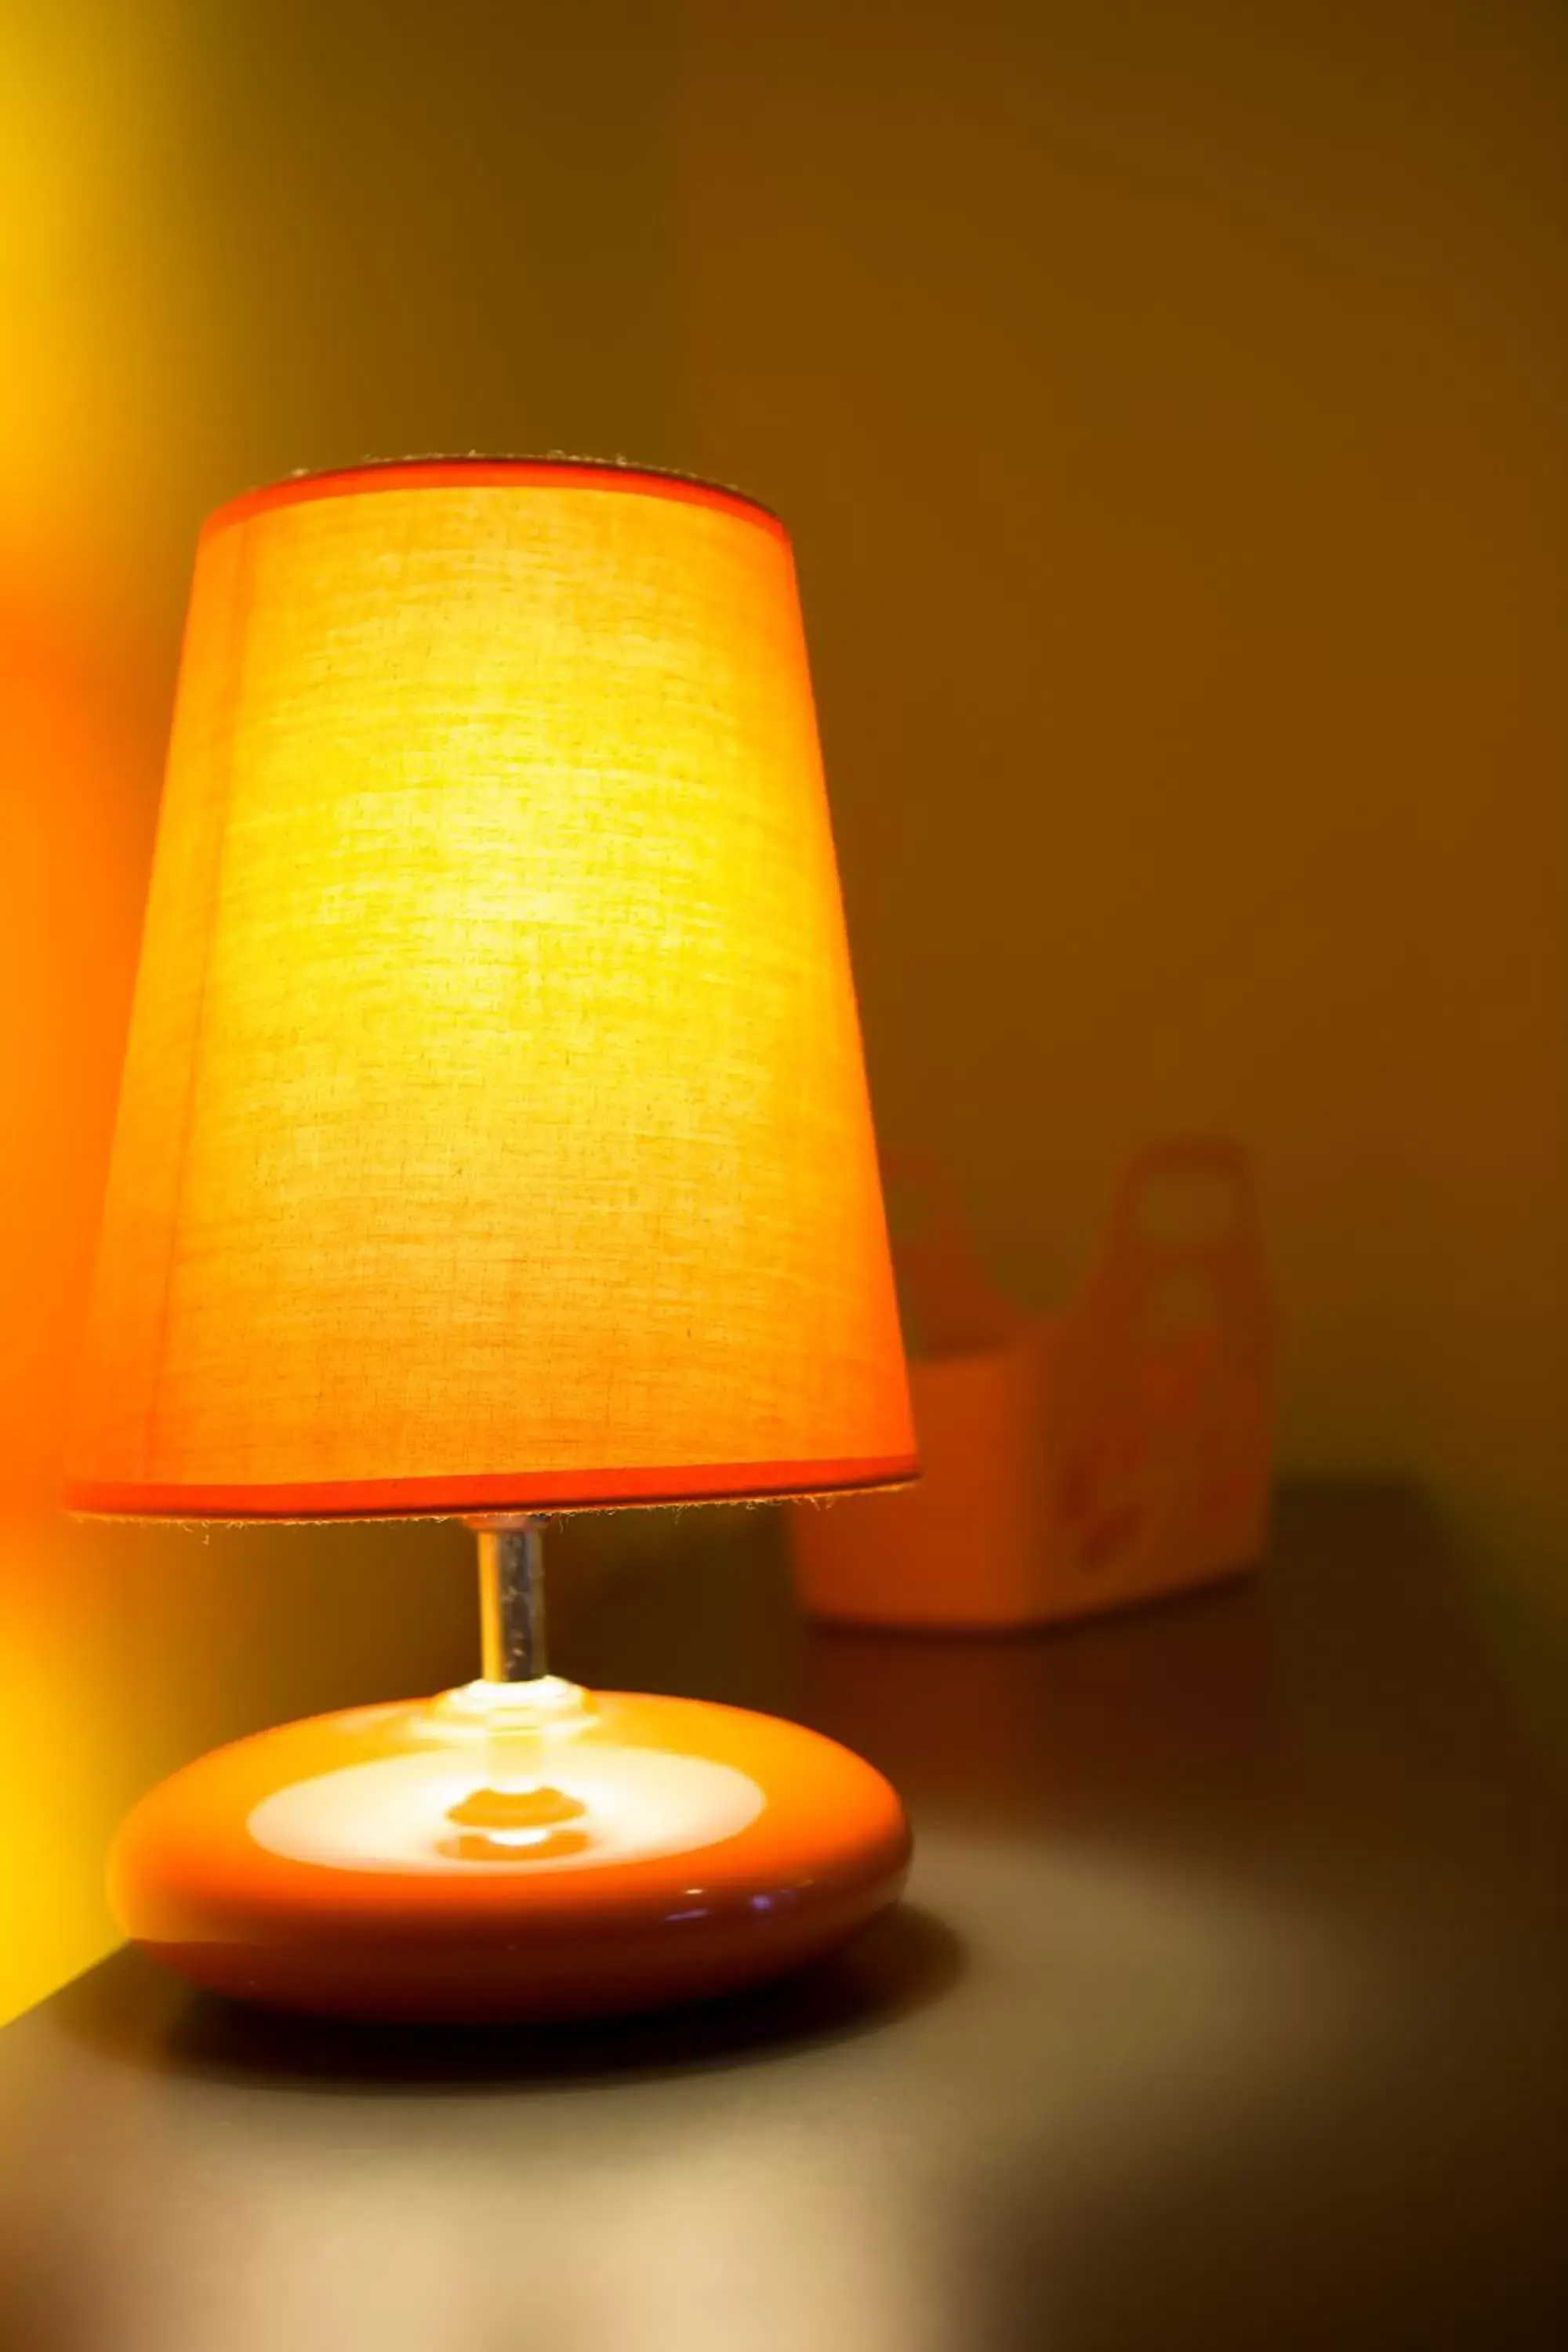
x: 493, y: 1123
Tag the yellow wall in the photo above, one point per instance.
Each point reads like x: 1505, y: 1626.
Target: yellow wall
x: 233, y: 242
x: 1166, y: 402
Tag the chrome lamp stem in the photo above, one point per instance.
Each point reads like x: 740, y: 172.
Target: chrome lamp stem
x: 512, y: 1599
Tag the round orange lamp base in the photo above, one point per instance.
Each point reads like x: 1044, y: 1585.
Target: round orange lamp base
x: 494, y: 1856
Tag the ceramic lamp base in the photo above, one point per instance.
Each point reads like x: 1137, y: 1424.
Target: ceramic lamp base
x: 485, y: 1858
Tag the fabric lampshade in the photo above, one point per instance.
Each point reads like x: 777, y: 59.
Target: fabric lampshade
x: 494, y: 1132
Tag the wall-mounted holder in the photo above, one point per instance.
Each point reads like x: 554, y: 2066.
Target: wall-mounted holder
x: 1073, y: 1463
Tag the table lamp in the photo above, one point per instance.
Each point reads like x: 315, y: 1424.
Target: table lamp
x: 494, y: 1142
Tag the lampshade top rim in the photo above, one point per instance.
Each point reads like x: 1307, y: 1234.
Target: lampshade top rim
x: 501, y: 473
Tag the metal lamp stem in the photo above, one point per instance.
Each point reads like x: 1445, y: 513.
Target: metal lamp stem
x: 512, y: 1599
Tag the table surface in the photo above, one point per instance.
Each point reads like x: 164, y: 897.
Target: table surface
x: 1228, y: 2009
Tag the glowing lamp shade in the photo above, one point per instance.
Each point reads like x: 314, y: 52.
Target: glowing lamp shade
x: 494, y: 1132
x: 494, y: 1141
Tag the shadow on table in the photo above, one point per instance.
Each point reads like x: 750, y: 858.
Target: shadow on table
x: 132, y: 2012
x: 1397, y: 2188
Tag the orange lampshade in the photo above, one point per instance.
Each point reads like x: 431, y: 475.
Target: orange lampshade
x: 494, y: 1132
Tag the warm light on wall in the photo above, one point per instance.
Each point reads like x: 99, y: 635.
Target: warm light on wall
x: 1229, y: 643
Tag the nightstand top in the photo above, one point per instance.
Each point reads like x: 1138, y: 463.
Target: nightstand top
x: 1228, y: 2009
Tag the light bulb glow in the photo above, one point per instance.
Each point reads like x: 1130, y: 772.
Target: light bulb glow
x: 494, y: 1133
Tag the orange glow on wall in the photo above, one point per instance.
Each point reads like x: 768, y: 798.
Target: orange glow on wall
x: 494, y: 1129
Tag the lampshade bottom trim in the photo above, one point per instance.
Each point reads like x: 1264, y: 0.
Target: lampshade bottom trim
x: 526, y: 1491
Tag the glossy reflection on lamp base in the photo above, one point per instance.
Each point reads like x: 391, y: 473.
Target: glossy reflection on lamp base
x: 449, y: 1862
